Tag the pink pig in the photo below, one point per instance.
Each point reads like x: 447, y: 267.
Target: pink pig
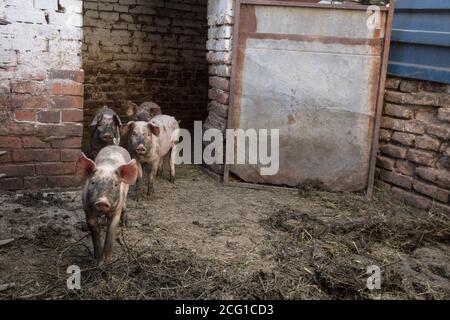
x: 105, y: 193
x: 149, y: 142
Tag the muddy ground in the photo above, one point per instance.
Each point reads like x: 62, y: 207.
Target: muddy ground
x: 198, y: 239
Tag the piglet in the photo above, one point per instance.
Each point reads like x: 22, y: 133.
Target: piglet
x: 105, y: 193
x: 149, y: 142
x: 145, y: 112
x: 105, y: 130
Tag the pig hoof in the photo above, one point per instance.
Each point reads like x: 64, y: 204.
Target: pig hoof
x: 143, y: 197
x: 124, y: 223
x: 172, y: 179
x: 124, y: 218
x: 105, y: 271
x: 140, y: 196
x: 140, y: 191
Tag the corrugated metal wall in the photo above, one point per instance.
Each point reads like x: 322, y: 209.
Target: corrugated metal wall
x: 420, y: 47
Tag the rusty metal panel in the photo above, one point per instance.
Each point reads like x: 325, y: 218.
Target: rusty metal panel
x: 313, y: 72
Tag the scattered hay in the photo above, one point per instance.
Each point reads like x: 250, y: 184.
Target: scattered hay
x: 314, y: 246
x: 331, y: 249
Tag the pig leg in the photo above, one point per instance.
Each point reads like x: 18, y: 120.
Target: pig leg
x: 160, y: 168
x: 173, y: 153
x: 140, y: 167
x: 94, y: 228
x: 111, y: 233
x: 144, y: 168
x: 124, y: 215
x: 152, y: 176
x: 140, y: 185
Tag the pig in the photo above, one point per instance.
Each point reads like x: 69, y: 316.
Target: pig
x: 105, y: 192
x: 149, y: 142
x: 105, y: 130
x: 145, y: 112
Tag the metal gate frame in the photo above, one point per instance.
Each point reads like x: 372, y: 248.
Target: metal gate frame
x: 237, y: 69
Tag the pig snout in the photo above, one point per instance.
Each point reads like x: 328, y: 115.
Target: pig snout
x: 107, y: 137
x: 102, y: 205
x: 141, y: 149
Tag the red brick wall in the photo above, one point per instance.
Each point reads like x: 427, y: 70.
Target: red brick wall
x: 414, y: 157
x: 141, y: 50
x: 41, y: 130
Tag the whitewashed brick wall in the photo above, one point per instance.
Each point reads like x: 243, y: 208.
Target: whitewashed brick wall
x: 42, y: 35
x: 219, y: 46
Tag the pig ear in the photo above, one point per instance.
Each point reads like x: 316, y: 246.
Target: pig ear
x: 131, y: 108
x: 127, y: 127
x: 84, y: 166
x: 96, y: 120
x: 128, y: 173
x: 155, y: 111
x: 153, y: 129
x: 117, y: 120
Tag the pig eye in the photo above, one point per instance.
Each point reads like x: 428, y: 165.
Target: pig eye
x: 116, y: 184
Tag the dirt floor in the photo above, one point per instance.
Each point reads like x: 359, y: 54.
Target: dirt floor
x: 198, y: 239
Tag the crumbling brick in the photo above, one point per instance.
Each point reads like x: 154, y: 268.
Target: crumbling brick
x: 406, y: 139
x: 385, y: 162
x: 431, y: 191
x: 399, y: 111
x: 428, y: 143
x: 394, y: 151
x: 396, y: 178
x: 405, y: 167
x: 415, y: 120
x: 412, y: 198
x: 421, y: 157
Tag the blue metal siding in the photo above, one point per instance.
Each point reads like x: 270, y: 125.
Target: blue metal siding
x: 420, y: 45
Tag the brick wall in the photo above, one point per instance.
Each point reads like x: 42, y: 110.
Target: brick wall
x: 219, y: 45
x: 146, y: 50
x: 41, y: 93
x: 414, y: 155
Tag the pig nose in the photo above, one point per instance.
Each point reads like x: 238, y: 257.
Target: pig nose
x: 102, y: 205
x: 140, y: 148
x: 108, y: 136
